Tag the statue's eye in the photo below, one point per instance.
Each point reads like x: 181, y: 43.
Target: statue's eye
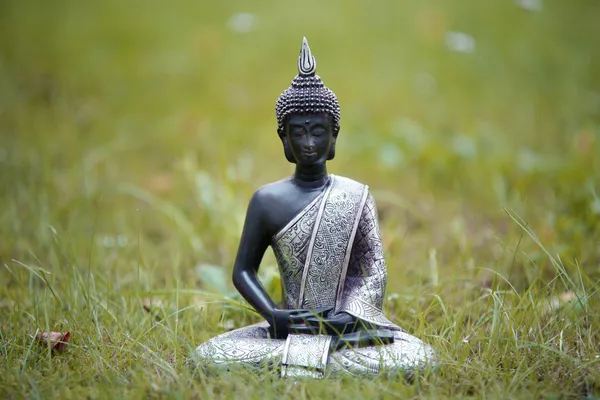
x: 318, y: 132
x: 298, y: 131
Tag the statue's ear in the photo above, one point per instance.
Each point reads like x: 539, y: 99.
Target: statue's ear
x: 286, y: 150
x: 332, y: 149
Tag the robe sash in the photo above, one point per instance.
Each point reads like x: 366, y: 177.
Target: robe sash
x: 330, y: 244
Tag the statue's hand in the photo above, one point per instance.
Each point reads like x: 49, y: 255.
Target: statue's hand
x: 336, y: 324
x: 281, y: 320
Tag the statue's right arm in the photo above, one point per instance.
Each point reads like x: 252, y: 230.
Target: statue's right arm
x: 253, y: 244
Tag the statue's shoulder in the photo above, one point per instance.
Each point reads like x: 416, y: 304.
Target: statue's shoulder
x: 272, y: 192
x: 350, y: 183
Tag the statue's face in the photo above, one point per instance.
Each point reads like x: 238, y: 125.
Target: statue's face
x: 310, y: 138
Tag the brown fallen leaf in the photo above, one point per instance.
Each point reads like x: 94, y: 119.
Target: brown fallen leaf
x: 58, y: 340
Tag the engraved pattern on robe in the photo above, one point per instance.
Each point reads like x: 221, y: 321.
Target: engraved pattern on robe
x: 366, y: 279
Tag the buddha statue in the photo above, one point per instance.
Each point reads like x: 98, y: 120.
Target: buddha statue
x: 324, y: 232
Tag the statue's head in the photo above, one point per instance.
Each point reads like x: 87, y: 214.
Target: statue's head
x: 308, y: 108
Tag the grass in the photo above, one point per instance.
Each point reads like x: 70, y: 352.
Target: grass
x: 133, y: 134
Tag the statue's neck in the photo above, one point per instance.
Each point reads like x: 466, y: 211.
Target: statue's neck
x: 311, y: 176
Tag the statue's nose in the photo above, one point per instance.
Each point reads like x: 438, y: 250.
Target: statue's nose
x: 310, y: 143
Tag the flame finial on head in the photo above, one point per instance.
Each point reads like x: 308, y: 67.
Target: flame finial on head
x: 307, y: 65
x: 307, y: 94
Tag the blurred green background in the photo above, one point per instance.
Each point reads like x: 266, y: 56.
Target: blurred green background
x: 132, y: 135
x: 452, y: 109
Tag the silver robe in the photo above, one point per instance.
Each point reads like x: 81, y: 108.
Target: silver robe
x: 329, y: 255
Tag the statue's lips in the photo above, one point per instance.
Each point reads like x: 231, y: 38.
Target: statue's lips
x: 309, y: 155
